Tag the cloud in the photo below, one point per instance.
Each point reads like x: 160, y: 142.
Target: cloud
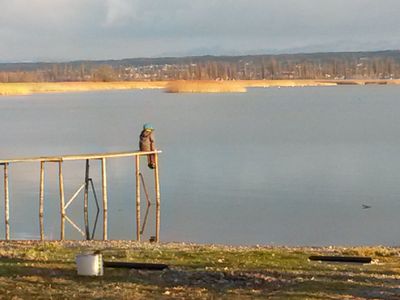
x: 120, y: 12
x: 74, y: 29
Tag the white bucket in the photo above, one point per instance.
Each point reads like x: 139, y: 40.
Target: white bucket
x: 89, y: 264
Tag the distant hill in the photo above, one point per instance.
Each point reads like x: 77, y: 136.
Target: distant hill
x: 329, y: 65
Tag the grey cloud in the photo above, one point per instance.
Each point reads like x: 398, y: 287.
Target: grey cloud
x: 73, y: 29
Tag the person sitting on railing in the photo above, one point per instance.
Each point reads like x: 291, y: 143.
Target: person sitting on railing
x: 147, y: 143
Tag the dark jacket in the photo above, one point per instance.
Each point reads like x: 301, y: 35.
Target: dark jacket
x: 146, y: 142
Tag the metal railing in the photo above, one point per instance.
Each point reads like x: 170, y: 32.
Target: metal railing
x: 85, y: 186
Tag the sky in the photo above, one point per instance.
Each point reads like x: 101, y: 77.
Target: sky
x: 64, y: 30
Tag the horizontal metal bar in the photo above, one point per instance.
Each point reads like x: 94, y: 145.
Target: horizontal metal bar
x: 79, y: 156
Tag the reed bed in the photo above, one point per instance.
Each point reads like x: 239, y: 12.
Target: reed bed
x: 205, y: 86
x: 304, y: 83
x: 286, y: 83
x: 61, y: 87
x: 179, y: 86
x: 234, y: 86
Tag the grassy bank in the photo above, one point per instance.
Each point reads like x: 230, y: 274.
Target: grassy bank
x: 180, y: 86
x: 47, y: 270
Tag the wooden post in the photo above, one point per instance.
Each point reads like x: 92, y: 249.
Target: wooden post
x: 41, y: 200
x: 86, y: 201
x: 6, y: 203
x: 157, y: 187
x: 137, y: 157
x: 104, y: 186
x: 62, y: 209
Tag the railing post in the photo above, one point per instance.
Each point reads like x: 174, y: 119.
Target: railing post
x: 6, y: 203
x: 62, y: 209
x: 157, y: 188
x: 86, y: 201
x: 41, y: 200
x: 137, y: 158
x: 104, y: 188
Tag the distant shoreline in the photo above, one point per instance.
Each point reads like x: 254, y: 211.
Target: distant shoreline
x: 180, y: 86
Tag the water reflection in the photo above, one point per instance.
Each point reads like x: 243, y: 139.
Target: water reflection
x: 272, y: 166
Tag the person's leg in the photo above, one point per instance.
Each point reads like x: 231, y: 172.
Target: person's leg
x: 151, y: 161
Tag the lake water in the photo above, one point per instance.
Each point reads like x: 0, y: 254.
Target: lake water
x: 271, y: 166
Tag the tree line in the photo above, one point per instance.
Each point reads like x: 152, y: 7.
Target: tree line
x: 342, y: 65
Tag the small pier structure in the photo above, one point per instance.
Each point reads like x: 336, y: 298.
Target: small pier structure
x: 102, y: 157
